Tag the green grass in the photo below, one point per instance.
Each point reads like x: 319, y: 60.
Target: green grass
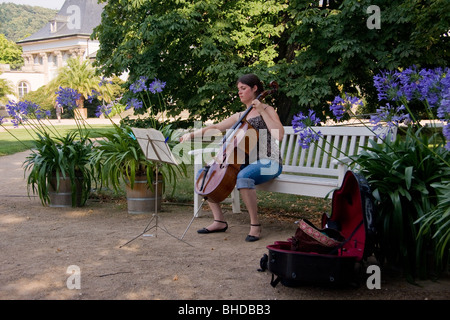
x: 10, y: 145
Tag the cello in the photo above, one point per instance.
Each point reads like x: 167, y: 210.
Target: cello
x: 218, y: 178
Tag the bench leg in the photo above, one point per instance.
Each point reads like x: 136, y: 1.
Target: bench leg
x: 342, y: 169
x: 235, y: 201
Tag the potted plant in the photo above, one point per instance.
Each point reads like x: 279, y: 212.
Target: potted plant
x: 58, y: 165
x: 121, y: 161
x: 58, y: 169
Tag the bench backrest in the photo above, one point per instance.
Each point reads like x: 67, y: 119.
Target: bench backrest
x: 335, y: 142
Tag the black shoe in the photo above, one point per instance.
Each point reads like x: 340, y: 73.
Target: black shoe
x: 250, y: 238
x: 205, y: 231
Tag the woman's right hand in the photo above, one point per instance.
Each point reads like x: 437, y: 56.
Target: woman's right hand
x: 185, y: 137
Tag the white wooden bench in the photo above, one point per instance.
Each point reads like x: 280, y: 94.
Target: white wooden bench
x: 316, y: 171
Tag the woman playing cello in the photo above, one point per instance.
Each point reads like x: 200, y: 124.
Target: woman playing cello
x: 262, y: 166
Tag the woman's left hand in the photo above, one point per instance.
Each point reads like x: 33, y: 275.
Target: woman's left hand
x: 259, y: 106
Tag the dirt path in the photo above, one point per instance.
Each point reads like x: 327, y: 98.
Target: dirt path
x: 38, y: 244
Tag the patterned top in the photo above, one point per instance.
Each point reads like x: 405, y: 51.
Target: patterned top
x: 267, y: 147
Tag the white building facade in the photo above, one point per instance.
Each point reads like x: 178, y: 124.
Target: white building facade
x: 66, y: 35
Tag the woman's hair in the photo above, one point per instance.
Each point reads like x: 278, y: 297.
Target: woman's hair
x: 252, y: 80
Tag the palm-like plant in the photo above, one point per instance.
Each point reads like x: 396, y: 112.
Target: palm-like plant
x: 5, y: 89
x: 81, y: 76
x: 119, y: 159
x: 66, y: 157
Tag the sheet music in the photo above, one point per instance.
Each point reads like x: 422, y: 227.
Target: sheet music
x: 154, y: 146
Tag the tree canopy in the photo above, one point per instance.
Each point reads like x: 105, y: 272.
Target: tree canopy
x: 10, y: 53
x: 314, y: 52
x: 19, y: 21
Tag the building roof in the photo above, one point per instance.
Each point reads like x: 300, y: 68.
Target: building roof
x: 75, y: 18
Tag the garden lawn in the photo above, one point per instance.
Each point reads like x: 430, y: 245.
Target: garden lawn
x: 9, y: 144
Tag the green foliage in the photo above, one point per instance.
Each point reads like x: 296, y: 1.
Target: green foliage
x: 66, y: 156
x: 198, y: 47
x: 5, y: 89
x: 339, y: 52
x: 40, y: 97
x: 119, y: 158
x: 201, y: 47
x: 10, y: 53
x: 404, y: 175
x: 436, y: 224
x: 22, y: 140
x: 82, y: 77
x: 54, y: 155
x: 20, y: 21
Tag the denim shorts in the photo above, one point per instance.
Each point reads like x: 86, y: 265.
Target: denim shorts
x: 255, y: 173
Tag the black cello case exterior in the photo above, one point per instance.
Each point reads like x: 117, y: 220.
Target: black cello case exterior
x: 353, y: 212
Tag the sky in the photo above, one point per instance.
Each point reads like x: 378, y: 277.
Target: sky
x: 51, y: 4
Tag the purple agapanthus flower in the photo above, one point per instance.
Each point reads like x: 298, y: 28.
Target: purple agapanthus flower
x: 340, y: 105
x: 22, y: 111
x: 103, y: 110
x: 443, y: 112
x: 134, y: 103
x: 337, y: 107
x: 446, y: 133
x: 302, y: 125
x: 67, y: 97
x: 408, y: 81
x: 139, y: 85
x: 390, y: 115
x: 429, y: 87
x: 16, y: 112
x: 95, y: 94
x: 386, y: 83
x: 156, y: 86
x: 409, y: 84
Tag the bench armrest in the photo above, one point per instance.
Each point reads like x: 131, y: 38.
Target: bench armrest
x: 342, y: 166
x: 341, y: 161
x: 196, y: 152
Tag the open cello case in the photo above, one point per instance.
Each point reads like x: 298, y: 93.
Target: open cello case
x: 334, y: 254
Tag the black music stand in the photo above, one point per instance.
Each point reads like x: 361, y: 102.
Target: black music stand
x: 155, y: 148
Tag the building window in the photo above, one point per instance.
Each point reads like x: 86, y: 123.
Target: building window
x: 38, y: 59
x: 23, y: 89
x: 52, y: 59
x: 53, y: 26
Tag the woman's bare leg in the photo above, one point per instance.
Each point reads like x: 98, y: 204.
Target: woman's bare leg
x: 218, y: 216
x: 250, y: 201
